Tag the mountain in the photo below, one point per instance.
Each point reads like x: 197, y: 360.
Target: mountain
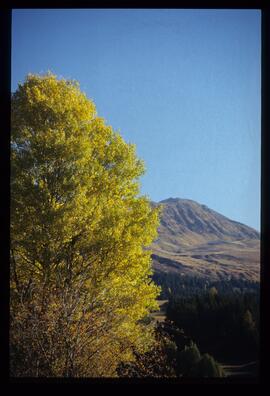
x: 195, y: 240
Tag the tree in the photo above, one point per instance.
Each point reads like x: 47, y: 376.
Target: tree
x: 207, y: 367
x: 187, y: 359
x: 194, y: 365
x: 248, y: 321
x: 159, y: 361
x: 80, y: 273
x: 250, y: 336
x: 213, y: 292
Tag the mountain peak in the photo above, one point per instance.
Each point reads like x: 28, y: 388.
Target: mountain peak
x: 189, y: 230
x: 199, y: 210
x: 173, y: 200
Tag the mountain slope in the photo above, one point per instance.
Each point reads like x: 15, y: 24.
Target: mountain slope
x: 196, y: 240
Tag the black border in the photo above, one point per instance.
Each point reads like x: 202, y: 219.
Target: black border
x: 5, y: 89
x: 265, y: 191
x: 5, y: 73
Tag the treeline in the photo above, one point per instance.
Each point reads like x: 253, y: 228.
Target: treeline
x: 201, y: 331
x: 224, y: 325
x: 174, y: 285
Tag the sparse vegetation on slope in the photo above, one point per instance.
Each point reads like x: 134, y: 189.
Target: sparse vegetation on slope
x: 195, y: 240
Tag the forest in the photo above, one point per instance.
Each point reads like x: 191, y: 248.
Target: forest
x: 226, y: 326
x: 206, y: 331
x: 173, y: 284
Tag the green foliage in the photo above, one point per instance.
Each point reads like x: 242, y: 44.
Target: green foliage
x: 177, y: 285
x: 80, y: 276
x: 187, y: 359
x: 227, y: 326
x: 207, y: 367
x: 190, y: 363
x: 172, y: 356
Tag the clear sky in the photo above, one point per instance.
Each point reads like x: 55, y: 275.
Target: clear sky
x: 183, y: 85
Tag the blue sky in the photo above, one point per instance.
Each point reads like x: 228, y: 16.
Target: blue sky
x: 183, y: 85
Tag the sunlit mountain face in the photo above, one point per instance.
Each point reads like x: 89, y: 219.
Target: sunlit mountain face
x: 195, y: 240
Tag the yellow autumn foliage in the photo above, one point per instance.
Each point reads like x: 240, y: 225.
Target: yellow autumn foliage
x: 80, y: 273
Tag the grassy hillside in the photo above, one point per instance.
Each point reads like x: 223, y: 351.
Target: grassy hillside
x: 194, y: 239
